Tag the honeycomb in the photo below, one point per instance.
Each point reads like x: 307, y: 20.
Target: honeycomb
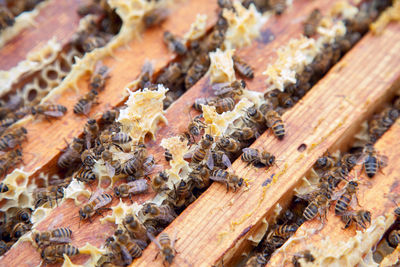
x: 221, y: 67
x: 197, y: 28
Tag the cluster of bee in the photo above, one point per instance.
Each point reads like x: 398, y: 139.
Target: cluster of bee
x: 16, y: 222
x: 53, y: 244
x: 10, y: 9
x: 97, y: 84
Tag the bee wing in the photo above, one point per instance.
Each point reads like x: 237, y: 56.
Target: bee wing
x: 155, y: 168
x: 152, y: 238
x: 148, y: 67
x: 141, y: 183
x: 217, y: 178
x: 12, y: 143
x: 142, y: 244
x: 226, y: 161
x: 210, y: 161
x: 337, y: 194
x: 247, y: 149
x: 383, y: 160
x: 361, y: 159
x: 96, y: 194
x: 60, y: 239
x: 110, y: 169
x: 87, y: 108
x: 126, y: 256
x: 53, y: 113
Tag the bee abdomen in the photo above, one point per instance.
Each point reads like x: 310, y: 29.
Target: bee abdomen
x: 342, y: 204
x: 310, y: 212
x: 3, y: 188
x: 67, y: 249
x: 279, y: 129
x: 80, y: 106
x: 62, y: 232
x: 371, y: 166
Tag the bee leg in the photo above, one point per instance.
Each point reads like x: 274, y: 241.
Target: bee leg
x: 227, y: 187
x: 130, y: 198
x: 156, y: 256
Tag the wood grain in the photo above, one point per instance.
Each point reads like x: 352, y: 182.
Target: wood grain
x: 376, y: 200
x: 58, y: 19
x: 218, y: 223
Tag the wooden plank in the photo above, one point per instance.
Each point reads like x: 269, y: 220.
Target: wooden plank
x: 58, y: 19
x: 216, y: 226
x: 375, y: 200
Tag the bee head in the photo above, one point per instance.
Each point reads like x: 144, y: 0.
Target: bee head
x: 82, y: 214
x: 117, y: 192
x: 271, y: 160
x: 240, y: 183
x: 24, y: 130
x: 37, y: 238
x: 25, y: 217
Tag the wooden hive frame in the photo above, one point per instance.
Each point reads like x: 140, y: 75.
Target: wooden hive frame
x: 322, y: 121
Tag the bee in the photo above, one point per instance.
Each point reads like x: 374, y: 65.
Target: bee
x: 121, y: 138
x: 197, y: 70
x: 13, y: 138
x: 146, y: 75
x: 200, y: 176
x: 88, y: 158
x: 348, y: 161
x: 98, y: 79
x: 149, y: 164
x: 204, y: 101
x: 285, y: 100
x: 22, y: 215
x: 54, y: 253
x: 114, y: 167
x: 168, y: 155
x: 172, y: 73
x: 92, y: 42
x: 20, y: 229
x: 6, y: 18
x: 155, y: 16
x: 71, y: 155
x: 232, y: 89
x: 219, y: 159
x: 56, y: 236
x: 166, y: 247
x: 196, y: 125
x: 95, y: 206
x: 253, y: 156
x: 228, y: 144
x: 306, y: 255
x: 257, y: 260
x: 135, y: 228
x: 345, y: 197
x: 245, y: 134
x: 224, y: 104
x: 49, y: 110
x: 132, y: 188
x: 3, y: 188
x: 201, y: 150
x: 85, y: 103
x: 3, y: 247
x: 163, y: 213
x: 215, y: 39
x: 278, y: 6
x: 129, y: 249
x: 182, y: 196
x: 322, y: 61
x: 231, y: 180
x: 325, y: 162
x: 241, y: 67
x: 274, y: 121
x: 312, y: 22
x: 317, y: 206
x: 394, y: 238
x: 158, y: 183
x: 49, y: 194
x: 10, y: 159
x: 372, y: 161
x: 361, y: 218
x: 110, y: 116
x: 254, y: 116
x: 86, y: 175
x: 91, y: 130
x: 7, y: 122
x: 174, y: 44
x: 285, y: 231
x: 133, y: 165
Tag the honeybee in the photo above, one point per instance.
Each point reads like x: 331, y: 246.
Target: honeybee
x: 121, y: 138
x: 174, y: 44
x: 274, y: 121
x: 361, y: 218
x: 155, y: 16
x: 232, y: 89
x: 98, y: 79
x: 204, y: 101
x: 312, y: 22
x: 13, y: 138
x: 22, y: 215
x: 254, y: 116
x: 7, y: 122
x: 113, y: 167
x: 345, y: 196
x: 88, y: 158
x: 215, y: 39
x: 133, y: 165
x: 95, y: 206
x: 348, y: 161
x: 6, y: 18
x: 3, y: 188
x: 325, y: 162
x: 135, y: 228
x: 231, y: 180
x: 91, y: 130
x: 146, y: 75
x: 19, y: 229
x: 285, y: 231
x: 372, y: 160
x: 322, y: 61
x: 132, y: 188
x: 245, y: 134
x: 55, y: 253
x: 257, y: 260
x: 110, y: 116
x: 219, y: 159
x: 3, y: 247
x: 158, y: 183
x: 306, y: 255
x: 278, y: 6
x: 228, y: 144
x: 202, y: 149
x: 200, y: 176
x: 166, y: 246
x: 168, y: 155
x: 163, y: 213
x: 253, y: 156
x: 224, y: 104
x: 92, y: 42
x: 10, y: 159
x: 58, y: 235
x: 285, y: 100
x: 71, y: 155
x: 318, y: 206
x: 85, y: 175
x: 394, y: 238
x: 241, y: 67
x: 170, y: 74
x: 182, y: 196
x: 85, y: 103
x: 48, y: 195
x: 130, y: 249
x: 49, y: 110
x: 197, y: 70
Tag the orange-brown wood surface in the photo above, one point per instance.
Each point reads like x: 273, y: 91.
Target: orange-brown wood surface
x: 218, y: 222
x: 58, y: 19
x: 377, y: 197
